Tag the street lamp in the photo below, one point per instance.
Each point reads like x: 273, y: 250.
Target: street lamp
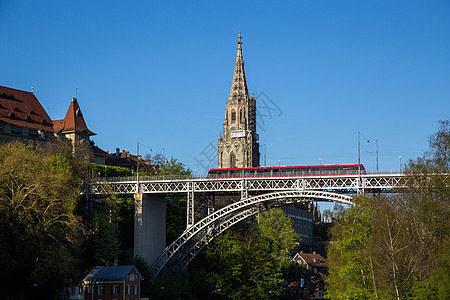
x: 320, y: 169
x: 137, y: 170
x: 218, y: 290
x: 400, y: 163
x: 265, y: 161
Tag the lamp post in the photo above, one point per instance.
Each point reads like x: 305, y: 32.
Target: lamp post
x: 359, y: 156
x: 265, y: 161
x: 377, y: 155
x: 400, y: 157
x: 320, y: 169
x: 137, y: 169
x: 218, y: 290
x: 164, y: 163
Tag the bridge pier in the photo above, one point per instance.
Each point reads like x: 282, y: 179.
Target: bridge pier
x: 149, y: 226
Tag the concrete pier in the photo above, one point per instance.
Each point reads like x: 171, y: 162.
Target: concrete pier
x: 149, y: 226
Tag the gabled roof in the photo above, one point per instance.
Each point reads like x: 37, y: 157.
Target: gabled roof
x: 74, y: 120
x: 112, y: 273
x: 23, y: 109
x: 312, y: 259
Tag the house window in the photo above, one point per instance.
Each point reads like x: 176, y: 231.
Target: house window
x: 132, y: 277
x: 135, y: 291
x: 115, y: 290
x: 128, y: 289
x: 100, y: 290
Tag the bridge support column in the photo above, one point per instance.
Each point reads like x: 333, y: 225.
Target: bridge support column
x: 190, y: 212
x: 244, y: 191
x: 149, y: 226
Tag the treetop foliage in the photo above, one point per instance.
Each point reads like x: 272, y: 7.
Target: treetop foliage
x: 39, y: 232
x: 397, y: 246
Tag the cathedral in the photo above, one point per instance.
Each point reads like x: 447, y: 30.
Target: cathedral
x: 238, y: 147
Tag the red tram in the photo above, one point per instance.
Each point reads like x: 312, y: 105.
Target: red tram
x: 287, y: 171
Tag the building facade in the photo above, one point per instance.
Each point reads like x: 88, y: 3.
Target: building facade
x: 238, y: 147
x: 23, y: 118
x: 112, y: 283
x: 303, y: 216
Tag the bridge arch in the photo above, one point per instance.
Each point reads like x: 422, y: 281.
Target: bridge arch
x: 178, y: 255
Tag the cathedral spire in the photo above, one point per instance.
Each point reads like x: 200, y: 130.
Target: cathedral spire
x: 238, y: 147
x: 239, y: 90
x: 239, y: 43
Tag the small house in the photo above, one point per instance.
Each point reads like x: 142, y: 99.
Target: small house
x: 112, y: 283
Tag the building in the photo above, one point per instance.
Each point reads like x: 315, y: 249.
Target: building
x: 311, y: 284
x: 110, y: 283
x: 23, y: 118
x: 311, y: 261
x: 122, y: 159
x: 73, y: 126
x: 303, y: 216
x: 238, y: 147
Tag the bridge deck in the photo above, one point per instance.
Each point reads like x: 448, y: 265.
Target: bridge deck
x: 348, y: 184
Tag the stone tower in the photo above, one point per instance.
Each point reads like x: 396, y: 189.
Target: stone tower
x: 239, y: 147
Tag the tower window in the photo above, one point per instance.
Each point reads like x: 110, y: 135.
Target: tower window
x: 232, y: 160
x: 233, y: 116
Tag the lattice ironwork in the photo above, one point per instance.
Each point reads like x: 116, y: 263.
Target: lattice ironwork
x: 190, y: 215
x: 349, y: 184
x: 239, y: 207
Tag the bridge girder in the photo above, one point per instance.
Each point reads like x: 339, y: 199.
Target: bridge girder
x: 350, y: 184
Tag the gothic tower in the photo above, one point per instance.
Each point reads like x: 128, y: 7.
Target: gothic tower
x: 239, y: 147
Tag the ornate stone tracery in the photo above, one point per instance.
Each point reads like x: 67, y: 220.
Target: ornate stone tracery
x: 239, y: 135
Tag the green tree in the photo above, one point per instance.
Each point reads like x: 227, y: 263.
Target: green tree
x: 350, y: 276
x: 173, y: 167
x: 39, y: 232
x: 248, y: 260
x: 109, y: 171
x: 429, y: 209
x: 397, y: 246
x: 103, y: 246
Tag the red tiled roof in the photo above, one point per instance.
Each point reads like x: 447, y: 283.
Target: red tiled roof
x: 23, y: 109
x: 314, y: 260
x: 74, y: 120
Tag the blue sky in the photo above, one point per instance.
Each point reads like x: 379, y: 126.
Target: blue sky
x: 160, y: 72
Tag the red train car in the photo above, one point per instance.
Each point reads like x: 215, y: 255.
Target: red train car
x: 287, y: 171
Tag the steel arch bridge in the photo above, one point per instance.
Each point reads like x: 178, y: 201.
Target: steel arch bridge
x: 197, y: 236
x: 265, y: 193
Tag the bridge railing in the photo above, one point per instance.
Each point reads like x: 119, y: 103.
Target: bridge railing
x: 384, y: 172
x: 219, y: 176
